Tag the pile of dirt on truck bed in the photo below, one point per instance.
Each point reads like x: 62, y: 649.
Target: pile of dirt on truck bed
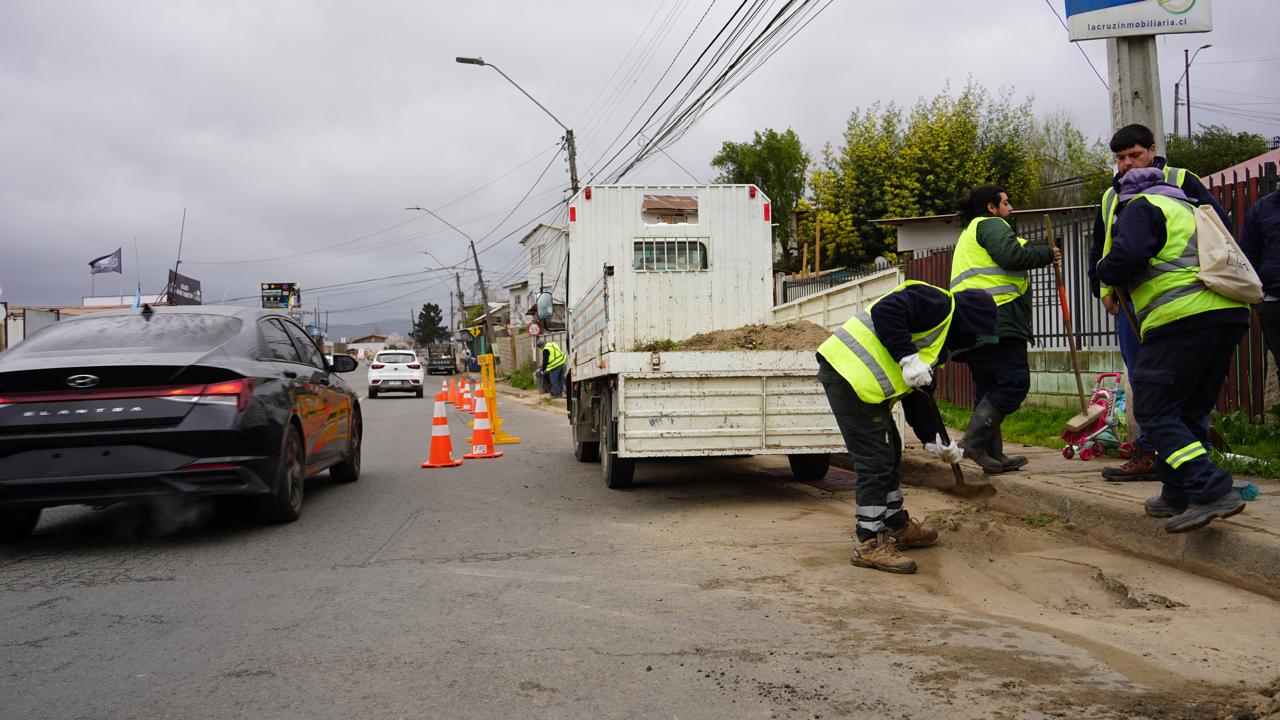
x: 797, y: 335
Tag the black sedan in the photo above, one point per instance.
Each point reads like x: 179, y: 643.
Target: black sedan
x: 199, y: 400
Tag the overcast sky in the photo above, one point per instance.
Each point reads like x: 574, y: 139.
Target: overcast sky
x: 288, y: 128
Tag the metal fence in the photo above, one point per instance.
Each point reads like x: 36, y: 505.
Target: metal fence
x: 796, y: 289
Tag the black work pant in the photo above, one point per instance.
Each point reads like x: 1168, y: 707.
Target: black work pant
x: 1269, y: 318
x: 872, y: 439
x: 1175, y: 385
x: 1001, y: 373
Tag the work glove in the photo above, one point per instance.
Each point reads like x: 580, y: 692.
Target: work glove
x: 915, y: 371
x: 949, y: 453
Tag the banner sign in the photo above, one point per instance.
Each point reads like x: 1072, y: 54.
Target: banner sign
x: 281, y: 296
x: 184, y: 290
x: 1094, y: 19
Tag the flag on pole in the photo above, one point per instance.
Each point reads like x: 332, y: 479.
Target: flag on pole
x: 137, y: 296
x: 107, y: 264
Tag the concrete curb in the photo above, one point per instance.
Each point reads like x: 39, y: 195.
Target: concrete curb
x: 1243, y: 551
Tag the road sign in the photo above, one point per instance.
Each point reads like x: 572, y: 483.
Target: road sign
x: 475, y: 331
x: 535, y: 328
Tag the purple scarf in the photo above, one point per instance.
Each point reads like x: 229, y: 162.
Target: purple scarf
x: 1148, y: 180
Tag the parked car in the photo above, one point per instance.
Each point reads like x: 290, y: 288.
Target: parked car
x: 198, y: 400
x: 395, y: 371
x: 440, y: 359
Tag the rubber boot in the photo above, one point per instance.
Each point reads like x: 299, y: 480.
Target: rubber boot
x: 996, y: 450
x: 977, y: 437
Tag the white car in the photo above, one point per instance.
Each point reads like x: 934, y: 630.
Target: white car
x: 395, y: 371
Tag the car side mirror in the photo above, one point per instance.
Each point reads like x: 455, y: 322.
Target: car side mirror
x: 344, y: 363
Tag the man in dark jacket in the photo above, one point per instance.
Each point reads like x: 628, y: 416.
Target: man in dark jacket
x: 1260, y: 242
x: 1135, y: 148
x: 1189, y: 334
x: 877, y: 358
x: 991, y: 258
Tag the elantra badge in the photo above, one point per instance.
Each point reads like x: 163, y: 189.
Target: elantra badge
x: 83, y: 381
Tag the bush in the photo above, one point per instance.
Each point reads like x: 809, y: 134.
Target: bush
x: 523, y: 378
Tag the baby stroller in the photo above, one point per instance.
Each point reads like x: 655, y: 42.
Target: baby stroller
x: 1102, y: 435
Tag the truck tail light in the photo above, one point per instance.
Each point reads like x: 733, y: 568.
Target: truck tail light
x: 767, y: 213
x: 573, y: 214
x: 586, y: 193
x: 751, y: 192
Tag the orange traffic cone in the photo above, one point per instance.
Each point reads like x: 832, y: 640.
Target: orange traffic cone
x: 468, y: 405
x: 453, y: 392
x: 482, y: 436
x: 441, y: 452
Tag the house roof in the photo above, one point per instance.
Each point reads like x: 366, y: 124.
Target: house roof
x: 540, y: 226
x: 369, y: 339
x: 670, y: 202
x: 1252, y: 166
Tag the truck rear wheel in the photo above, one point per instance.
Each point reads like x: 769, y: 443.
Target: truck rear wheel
x: 810, y: 467
x: 585, y: 451
x: 618, y: 472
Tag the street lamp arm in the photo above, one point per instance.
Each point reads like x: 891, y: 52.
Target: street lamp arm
x: 446, y: 222
x: 481, y: 61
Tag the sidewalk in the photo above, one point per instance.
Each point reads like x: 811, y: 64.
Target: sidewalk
x: 1243, y: 550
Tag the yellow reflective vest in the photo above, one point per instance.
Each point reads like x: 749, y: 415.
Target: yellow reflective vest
x: 972, y: 267
x: 1172, y: 175
x: 857, y: 354
x: 1168, y: 290
x: 555, y: 356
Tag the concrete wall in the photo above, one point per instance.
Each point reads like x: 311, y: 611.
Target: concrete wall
x: 1053, y: 382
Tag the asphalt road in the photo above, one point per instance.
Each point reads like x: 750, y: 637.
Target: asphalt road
x: 521, y: 587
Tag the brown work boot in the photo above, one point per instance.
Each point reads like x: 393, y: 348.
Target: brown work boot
x: 1140, y: 467
x: 880, y: 553
x: 914, y: 535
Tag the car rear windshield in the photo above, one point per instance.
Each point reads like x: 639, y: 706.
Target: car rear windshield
x: 397, y: 358
x: 184, y: 331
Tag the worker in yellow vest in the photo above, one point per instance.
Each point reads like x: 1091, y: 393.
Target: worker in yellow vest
x: 991, y: 258
x: 877, y: 358
x: 553, y: 362
x: 1189, y: 334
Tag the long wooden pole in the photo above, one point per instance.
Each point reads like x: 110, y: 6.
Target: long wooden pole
x: 1066, y: 316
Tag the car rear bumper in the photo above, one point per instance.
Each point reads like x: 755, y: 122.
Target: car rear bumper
x: 218, y: 478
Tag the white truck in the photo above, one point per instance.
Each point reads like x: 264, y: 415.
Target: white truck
x: 657, y: 263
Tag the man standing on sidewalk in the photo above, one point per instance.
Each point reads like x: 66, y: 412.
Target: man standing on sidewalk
x: 991, y: 258
x: 1260, y: 242
x: 1135, y: 148
x: 874, y: 360
x: 1189, y: 334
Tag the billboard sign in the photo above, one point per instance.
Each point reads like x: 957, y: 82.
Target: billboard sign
x: 281, y: 296
x: 184, y: 290
x: 1095, y: 19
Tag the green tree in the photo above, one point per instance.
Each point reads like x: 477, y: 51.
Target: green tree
x: 1214, y: 148
x: 896, y: 164
x: 776, y: 163
x: 429, y: 327
x: 1070, y: 169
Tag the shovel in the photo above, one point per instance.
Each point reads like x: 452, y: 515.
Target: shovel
x: 979, y: 489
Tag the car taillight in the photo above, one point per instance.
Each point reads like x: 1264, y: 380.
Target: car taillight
x: 376, y: 366
x: 239, y: 389
x: 415, y: 366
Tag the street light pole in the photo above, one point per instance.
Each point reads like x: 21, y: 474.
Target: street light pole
x: 570, y: 146
x: 484, y: 293
x: 1187, y: 58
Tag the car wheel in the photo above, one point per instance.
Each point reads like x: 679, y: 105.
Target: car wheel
x: 373, y: 394
x: 348, y: 470
x: 18, y: 522
x: 810, y: 468
x: 284, y: 504
x: 419, y: 393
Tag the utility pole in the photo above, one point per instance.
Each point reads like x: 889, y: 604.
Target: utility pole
x: 1134, y: 79
x: 462, y: 301
x: 1176, y: 103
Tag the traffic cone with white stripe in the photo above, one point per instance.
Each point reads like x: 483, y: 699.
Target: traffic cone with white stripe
x: 482, y: 436
x: 441, y: 451
x: 468, y: 404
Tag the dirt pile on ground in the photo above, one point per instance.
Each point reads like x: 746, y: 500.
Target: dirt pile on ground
x: 796, y: 335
